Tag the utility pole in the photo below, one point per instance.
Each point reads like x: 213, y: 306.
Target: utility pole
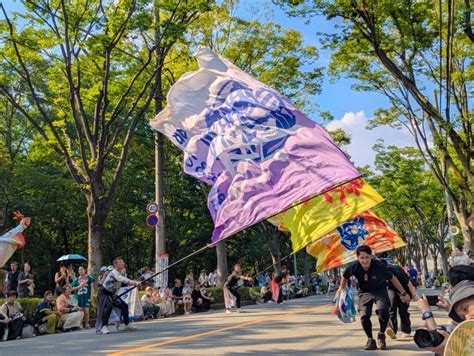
x: 160, y: 239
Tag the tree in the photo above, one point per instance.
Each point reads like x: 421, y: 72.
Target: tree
x: 404, y: 50
x: 414, y: 203
x: 14, y: 137
x: 86, y: 78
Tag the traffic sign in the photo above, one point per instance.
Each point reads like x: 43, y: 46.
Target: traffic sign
x: 152, y: 220
x: 152, y: 208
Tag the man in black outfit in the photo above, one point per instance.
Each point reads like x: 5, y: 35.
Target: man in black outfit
x: 231, y: 285
x: 372, y: 276
x: 396, y: 304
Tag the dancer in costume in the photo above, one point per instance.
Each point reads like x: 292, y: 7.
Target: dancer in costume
x: 231, y: 295
x: 396, y: 305
x: 279, y: 278
x: 372, y: 276
x: 109, y: 293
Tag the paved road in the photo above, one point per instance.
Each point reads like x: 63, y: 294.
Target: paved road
x: 298, y: 327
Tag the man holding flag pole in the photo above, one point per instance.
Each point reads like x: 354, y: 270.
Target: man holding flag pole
x: 372, y: 276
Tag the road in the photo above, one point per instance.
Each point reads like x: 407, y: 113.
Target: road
x: 298, y: 327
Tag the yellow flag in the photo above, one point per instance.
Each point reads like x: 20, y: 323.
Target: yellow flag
x: 316, y: 217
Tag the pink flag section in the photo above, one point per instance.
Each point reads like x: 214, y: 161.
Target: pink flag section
x: 10, y: 242
x: 259, y: 152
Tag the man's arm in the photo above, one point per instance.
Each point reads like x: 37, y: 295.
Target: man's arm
x: 405, y: 298
x: 412, y: 289
x: 118, y: 276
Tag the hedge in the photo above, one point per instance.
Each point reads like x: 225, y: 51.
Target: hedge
x: 29, y: 304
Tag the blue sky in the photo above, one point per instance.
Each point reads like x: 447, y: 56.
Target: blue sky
x: 351, y: 109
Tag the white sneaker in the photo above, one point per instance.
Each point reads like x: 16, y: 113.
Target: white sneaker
x: 130, y: 327
x: 187, y: 313
x: 104, y: 330
x: 227, y: 311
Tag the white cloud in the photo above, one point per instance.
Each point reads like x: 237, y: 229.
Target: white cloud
x: 362, y: 139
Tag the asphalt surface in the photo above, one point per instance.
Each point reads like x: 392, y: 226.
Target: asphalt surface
x: 298, y: 327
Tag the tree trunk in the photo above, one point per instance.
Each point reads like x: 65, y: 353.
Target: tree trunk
x: 96, y: 216
x: 221, y: 263
x: 424, y: 264
x: 444, y: 258
x: 467, y: 233
x: 274, y: 244
x: 435, y: 264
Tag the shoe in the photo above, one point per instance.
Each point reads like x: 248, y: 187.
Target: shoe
x: 187, y: 313
x: 87, y: 326
x: 406, y: 336
x: 117, y: 326
x: 391, y: 333
x: 371, y: 345
x: 381, y: 342
x: 227, y: 311
x: 130, y: 327
x: 104, y: 330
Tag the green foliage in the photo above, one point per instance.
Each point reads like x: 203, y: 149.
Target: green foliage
x: 38, y: 178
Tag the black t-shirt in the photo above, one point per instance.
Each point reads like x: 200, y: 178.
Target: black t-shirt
x: 402, y: 277
x: 195, y: 295
x: 372, y: 280
x: 177, y: 291
x: 232, y: 280
x: 279, y: 276
x: 12, y: 280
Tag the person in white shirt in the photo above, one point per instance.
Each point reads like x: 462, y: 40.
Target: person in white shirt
x: 111, y: 286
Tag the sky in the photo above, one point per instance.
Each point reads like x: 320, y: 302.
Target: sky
x: 351, y: 109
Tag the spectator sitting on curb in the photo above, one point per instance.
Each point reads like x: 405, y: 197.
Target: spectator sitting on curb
x: 167, y: 297
x: 266, y: 293
x: 149, y: 304
x: 14, y: 312
x: 201, y: 301
x: 46, y: 313
x: 70, y: 314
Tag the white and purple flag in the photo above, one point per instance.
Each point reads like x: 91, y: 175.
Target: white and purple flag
x: 259, y: 152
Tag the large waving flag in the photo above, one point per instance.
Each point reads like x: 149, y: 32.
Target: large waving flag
x: 338, y: 247
x: 12, y: 240
x: 260, y: 153
x: 314, y: 218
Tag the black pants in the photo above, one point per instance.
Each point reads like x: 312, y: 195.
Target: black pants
x: 396, y: 304
x: 110, y: 303
x: 15, y: 327
x: 382, y: 305
x: 280, y: 295
x: 236, y: 295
